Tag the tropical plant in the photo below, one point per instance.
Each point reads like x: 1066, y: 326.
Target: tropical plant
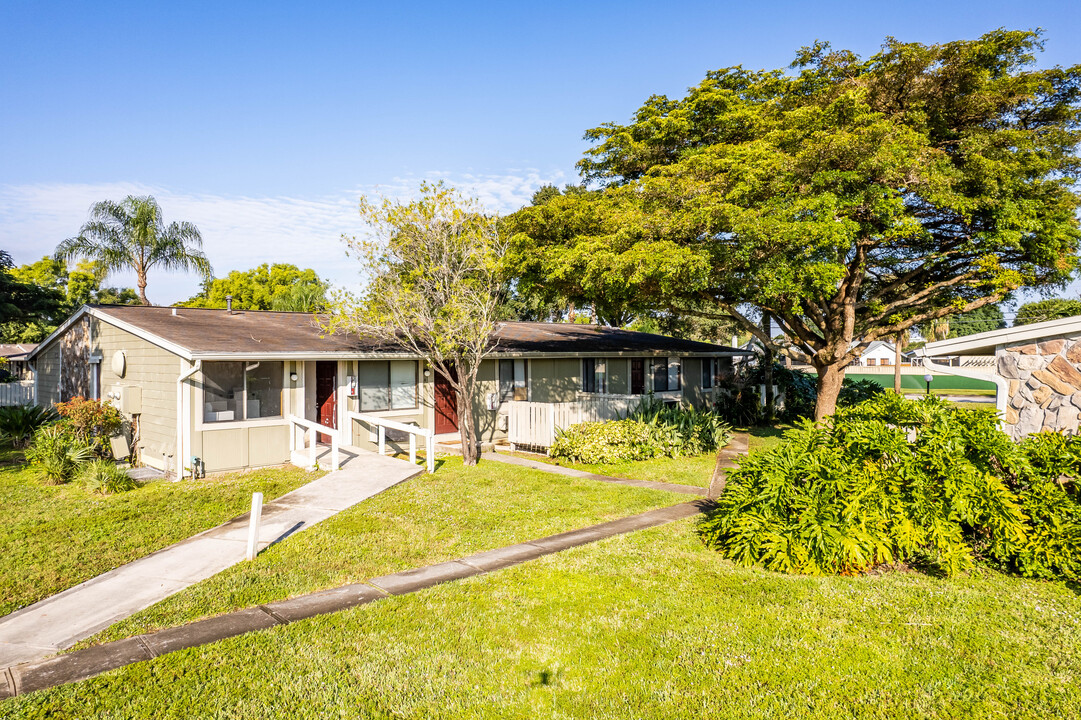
x: 19, y: 422
x: 893, y: 480
x: 131, y: 235
x: 277, y: 286
x: 104, y: 477
x: 1044, y: 310
x: 58, y: 453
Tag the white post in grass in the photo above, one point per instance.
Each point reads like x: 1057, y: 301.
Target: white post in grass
x: 253, y: 524
x: 430, y: 450
x: 412, y: 448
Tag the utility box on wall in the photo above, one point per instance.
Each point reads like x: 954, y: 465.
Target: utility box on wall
x: 128, y: 399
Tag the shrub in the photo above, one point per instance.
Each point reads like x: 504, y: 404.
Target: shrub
x: 91, y: 421
x: 901, y: 480
x: 58, y: 453
x: 853, y: 392
x: 104, y: 477
x: 741, y: 404
x: 18, y: 422
x: 654, y: 429
x: 605, y: 442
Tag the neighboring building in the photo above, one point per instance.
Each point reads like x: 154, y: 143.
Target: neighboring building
x: 1035, y: 370
x: 222, y: 385
x: 879, y: 353
x: 16, y: 359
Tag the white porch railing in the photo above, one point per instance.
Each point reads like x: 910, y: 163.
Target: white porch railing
x: 381, y: 425
x: 309, y: 430
x: 535, y: 424
x: 20, y: 392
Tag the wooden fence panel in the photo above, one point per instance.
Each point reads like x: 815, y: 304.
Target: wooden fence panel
x: 17, y: 393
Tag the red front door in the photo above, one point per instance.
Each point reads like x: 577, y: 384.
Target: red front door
x: 446, y: 405
x: 326, y: 399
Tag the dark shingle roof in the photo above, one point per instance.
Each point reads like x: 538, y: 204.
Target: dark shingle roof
x: 215, y: 332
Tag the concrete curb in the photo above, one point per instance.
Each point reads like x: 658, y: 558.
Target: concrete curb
x: 84, y: 664
x: 571, y: 472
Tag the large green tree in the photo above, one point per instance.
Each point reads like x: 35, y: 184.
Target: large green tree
x: 1050, y: 309
x: 850, y: 199
x: 132, y: 235
x: 280, y: 286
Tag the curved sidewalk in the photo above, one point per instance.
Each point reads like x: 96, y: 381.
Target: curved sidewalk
x: 60, y: 621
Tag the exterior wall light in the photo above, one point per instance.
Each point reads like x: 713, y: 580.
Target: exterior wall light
x: 293, y: 376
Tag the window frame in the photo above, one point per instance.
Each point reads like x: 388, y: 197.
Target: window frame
x: 389, y: 387
x: 283, y: 390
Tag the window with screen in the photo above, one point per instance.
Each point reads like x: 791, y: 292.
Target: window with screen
x: 512, y: 380
x: 387, y: 385
x: 242, y: 391
x: 594, y: 375
x: 666, y: 374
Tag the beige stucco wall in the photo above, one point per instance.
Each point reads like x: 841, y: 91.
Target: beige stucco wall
x: 1044, y: 388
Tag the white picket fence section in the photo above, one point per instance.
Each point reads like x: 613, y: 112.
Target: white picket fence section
x: 535, y: 424
x: 17, y: 393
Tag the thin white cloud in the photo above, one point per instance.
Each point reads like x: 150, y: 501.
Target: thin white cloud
x: 239, y: 232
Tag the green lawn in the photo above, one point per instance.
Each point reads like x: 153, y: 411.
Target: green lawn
x: 697, y: 470
x: 431, y: 518
x: 646, y: 625
x: 766, y: 436
x: 54, y: 537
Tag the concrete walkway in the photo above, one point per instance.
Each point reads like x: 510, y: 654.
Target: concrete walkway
x: 62, y: 620
x: 86, y: 663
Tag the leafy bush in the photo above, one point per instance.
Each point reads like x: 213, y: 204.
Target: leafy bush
x: 741, y: 404
x: 18, y: 422
x: 58, y: 453
x: 91, y: 421
x: 654, y: 429
x: 853, y: 392
x: 104, y: 477
x: 900, y: 480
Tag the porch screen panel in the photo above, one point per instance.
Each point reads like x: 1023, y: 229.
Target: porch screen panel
x: 264, y: 388
x: 403, y: 384
x: 373, y: 379
x: 708, y: 372
x: 223, y: 391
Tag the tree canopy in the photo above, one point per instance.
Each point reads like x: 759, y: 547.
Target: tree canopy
x: 1051, y: 309
x: 132, y: 235
x: 41, y: 294
x: 280, y: 286
x: 433, y: 288
x: 851, y: 199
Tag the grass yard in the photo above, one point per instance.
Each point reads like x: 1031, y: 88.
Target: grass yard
x: 54, y: 537
x: 431, y: 518
x: 646, y: 625
x: 696, y: 470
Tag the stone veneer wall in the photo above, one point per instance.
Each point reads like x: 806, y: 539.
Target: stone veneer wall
x: 1045, y: 385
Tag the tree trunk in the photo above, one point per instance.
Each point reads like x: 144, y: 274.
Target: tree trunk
x: 467, y: 430
x: 767, y: 376
x: 897, y: 365
x: 830, y: 378
x: 142, y: 288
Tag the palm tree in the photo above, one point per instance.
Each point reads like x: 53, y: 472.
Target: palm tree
x: 130, y: 235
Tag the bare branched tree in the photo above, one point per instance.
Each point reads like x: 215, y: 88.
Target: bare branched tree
x: 433, y: 288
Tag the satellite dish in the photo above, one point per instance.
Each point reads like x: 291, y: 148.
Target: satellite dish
x: 120, y: 363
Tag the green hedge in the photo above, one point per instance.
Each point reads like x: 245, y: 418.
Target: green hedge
x: 918, y: 481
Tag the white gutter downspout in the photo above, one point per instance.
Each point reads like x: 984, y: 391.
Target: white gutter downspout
x: 1002, y: 392
x: 180, y: 416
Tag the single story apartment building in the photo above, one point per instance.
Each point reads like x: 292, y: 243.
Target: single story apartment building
x: 218, y: 387
x: 1035, y: 370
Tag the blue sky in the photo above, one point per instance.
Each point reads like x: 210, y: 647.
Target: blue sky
x: 264, y: 122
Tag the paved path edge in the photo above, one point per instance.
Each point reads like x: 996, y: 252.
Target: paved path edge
x: 89, y: 662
